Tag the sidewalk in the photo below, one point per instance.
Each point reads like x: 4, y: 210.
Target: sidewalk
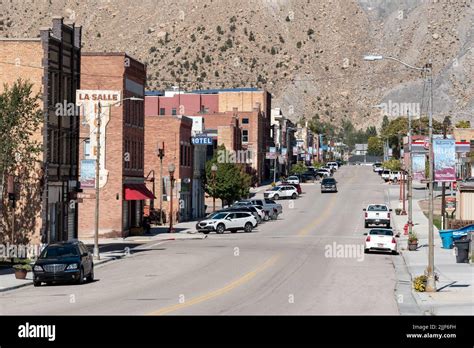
x: 455, y: 288
x: 112, y: 249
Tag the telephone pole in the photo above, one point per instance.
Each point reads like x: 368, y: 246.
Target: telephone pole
x: 97, y: 178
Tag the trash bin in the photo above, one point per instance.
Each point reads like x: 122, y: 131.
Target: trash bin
x: 446, y: 238
x: 462, y: 249
x: 449, y: 236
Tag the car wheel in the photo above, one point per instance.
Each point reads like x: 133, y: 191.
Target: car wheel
x: 220, y: 228
x: 36, y: 283
x: 266, y: 217
x: 90, y: 277
x: 276, y: 197
x: 80, y: 280
x: 293, y: 196
x: 248, y: 227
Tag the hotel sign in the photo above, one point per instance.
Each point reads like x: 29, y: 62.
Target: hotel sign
x: 88, y: 102
x: 201, y: 140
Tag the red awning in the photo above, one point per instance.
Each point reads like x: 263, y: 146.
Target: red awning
x: 137, y: 192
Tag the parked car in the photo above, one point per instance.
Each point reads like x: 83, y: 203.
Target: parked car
x: 283, y: 191
x: 380, y: 239
x: 328, y: 185
x: 308, y: 176
x: 274, y: 209
x: 390, y: 175
x: 324, y: 173
x: 333, y: 165
x: 377, y: 167
x: 247, y: 208
x: 296, y: 186
x: 64, y: 262
x: 377, y: 214
x: 293, y: 179
x: 227, y: 221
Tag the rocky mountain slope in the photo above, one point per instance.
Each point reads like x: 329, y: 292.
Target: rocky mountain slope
x: 309, y: 54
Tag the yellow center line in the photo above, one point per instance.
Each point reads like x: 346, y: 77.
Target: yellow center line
x: 327, y: 210
x: 236, y: 283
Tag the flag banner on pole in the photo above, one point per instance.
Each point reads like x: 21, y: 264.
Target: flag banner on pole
x: 418, y: 163
x: 444, y: 151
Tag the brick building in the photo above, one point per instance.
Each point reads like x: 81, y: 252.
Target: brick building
x: 46, y: 207
x: 112, y: 78
x: 240, y: 118
x: 174, y: 134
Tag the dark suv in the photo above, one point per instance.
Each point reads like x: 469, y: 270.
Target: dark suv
x: 328, y: 185
x: 64, y: 262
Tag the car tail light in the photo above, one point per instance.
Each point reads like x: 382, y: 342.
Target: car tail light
x: 368, y: 239
x: 394, y: 241
x: 366, y: 215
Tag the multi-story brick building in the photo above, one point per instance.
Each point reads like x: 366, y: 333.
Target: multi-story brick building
x: 46, y: 207
x: 112, y: 79
x: 244, y: 108
x: 173, y: 134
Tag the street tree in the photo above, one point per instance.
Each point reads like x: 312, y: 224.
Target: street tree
x: 375, y: 146
x: 298, y: 169
x: 463, y: 124
x: 230, y: 181
x: 20, y: 120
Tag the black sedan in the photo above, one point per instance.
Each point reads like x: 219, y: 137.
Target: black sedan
x: 328, y: 185
x: 64, y: 262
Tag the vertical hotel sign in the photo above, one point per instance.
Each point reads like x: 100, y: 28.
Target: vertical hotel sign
x: 444, y: 151
x: 88, y: 103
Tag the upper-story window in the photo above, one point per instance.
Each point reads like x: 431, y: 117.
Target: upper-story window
x: 173, y: 111
x: 162, y: 111
x: 245, y: 121
x: 245, y: 136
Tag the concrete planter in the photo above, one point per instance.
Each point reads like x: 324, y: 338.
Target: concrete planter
x: 20, y: 273
x: 412, y: 246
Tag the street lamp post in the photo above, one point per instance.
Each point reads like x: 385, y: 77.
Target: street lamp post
x: 213, y: 173
x: 97, y: 172
x: 428, y: 69
x: 161, y: 154
x: 171, y: 169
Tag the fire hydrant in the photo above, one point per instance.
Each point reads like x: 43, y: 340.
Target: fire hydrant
x: 405, y: 229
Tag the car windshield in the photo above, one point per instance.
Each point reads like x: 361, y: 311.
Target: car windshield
x: 276, y: 188
x: 58, y: 251
x: 377, y: 208
x: 219, y: 216
x: 329, y: 181
x: 293, y: 178
x: 381, y: 232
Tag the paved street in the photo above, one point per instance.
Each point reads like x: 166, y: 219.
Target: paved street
x: 280, y: 268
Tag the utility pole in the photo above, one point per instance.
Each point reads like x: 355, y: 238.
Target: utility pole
x: 443, y: 185
x: 430, y: 283
x: 410, y: 178
x: 97, y: 178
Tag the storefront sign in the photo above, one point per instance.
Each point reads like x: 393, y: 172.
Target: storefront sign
x: 201, y: 140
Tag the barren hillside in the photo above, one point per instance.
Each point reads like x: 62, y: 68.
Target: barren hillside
x: 307, y: 53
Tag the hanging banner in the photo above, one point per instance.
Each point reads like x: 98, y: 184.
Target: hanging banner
x: 418, y: 163
x: 444, y: 151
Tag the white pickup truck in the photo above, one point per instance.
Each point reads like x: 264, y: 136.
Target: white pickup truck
x: 377, y: 214
x: 390, y: 175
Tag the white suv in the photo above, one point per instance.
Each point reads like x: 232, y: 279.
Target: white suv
x: 225, y: 221
x: 293, y: 179
x: 282, y: 191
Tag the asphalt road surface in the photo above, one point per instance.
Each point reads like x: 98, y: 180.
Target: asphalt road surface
x: 309, y: 261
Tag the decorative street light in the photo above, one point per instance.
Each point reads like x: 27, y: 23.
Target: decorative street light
x: 161, y: 154
x: 213, y: 173
x: 171, y: 169
x: 428, y: 69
